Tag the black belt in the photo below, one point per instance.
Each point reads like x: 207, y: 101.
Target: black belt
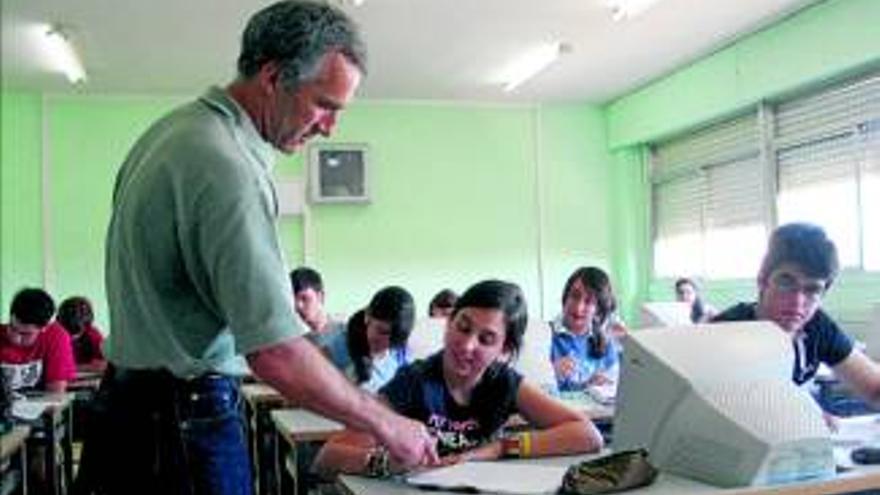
x: 162, y: 378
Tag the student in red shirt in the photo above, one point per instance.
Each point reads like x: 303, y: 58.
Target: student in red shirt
x: 76, y: 317
x: 33, y: 354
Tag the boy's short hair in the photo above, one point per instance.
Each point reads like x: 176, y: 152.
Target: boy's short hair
x: 304, y: 278
x: 804, y: 245
x: 32, y: 306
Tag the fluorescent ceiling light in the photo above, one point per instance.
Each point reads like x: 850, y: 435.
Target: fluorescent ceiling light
x: 627, y: 9
x: 61, y: 55
x: 530, y: 64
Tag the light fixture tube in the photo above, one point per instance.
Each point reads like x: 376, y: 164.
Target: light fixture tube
x: 627, y: 9
x: 62, y: 55
x: 530, y: 64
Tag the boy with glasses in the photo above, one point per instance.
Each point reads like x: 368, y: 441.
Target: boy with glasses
x: 799, y: 267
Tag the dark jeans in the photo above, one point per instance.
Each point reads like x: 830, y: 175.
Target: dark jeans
x: 149, y: 432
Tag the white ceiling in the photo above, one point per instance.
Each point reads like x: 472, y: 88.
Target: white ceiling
x: 419, y: 49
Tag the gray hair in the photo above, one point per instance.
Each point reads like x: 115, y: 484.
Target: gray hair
x: 296, y: 34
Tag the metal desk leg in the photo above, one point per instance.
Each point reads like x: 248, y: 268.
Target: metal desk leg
x: 67, y: 447
x: 51, y: 453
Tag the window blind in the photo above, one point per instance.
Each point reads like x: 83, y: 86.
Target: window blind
x: 826, y: 153
x: 838, y: 110
x: 705, y: 182
x: 727, y: 141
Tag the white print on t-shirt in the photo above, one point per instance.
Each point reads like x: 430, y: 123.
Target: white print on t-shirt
x: 23, y: 375
x: 453, y: 434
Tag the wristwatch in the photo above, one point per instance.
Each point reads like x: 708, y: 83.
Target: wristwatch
x: 511, y: 445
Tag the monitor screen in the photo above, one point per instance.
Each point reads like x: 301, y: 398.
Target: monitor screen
x: 718, y: 405
x: 533, y: 361
x: 426, y: 337
x: 871, y: 336
x: 665, y: 314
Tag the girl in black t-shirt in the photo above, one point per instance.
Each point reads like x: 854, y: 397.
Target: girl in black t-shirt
x: 467, y: 392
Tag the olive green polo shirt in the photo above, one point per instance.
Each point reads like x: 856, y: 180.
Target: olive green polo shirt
x: 194, y: 269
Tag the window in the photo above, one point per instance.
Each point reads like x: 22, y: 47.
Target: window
x: 707, y: 193
x: 715, y: 195
x: 870, y: 196
x: 826, y: 152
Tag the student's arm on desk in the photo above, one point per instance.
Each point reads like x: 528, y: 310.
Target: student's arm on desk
x: 561, y: 430
x: 298, y: 370
x: 348, y: 453
x: 93, y: 366
x: 57, y: 387
x: 344, y: 453
x: 861, y: 374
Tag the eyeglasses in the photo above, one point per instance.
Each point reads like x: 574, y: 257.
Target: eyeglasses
x: 788, y: 283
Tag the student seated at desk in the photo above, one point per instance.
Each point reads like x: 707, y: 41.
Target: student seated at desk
x: 798, y: 269
x: 373, y: 346
x: 442, y: 303
x: 308, y: 299
x: 584, y: 350
x: 467, y: 392
x: 75, y: 316
x: 34, y: 354
x: 687, y: 291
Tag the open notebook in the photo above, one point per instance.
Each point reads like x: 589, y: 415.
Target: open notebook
x: 508, y: 478
x: 31, y: 408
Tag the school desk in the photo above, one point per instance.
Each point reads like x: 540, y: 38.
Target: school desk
x: 854, y: 481
x: 299, y: 434
x: 862, y: 479
x: 52, y: 432
x: 13, y: 460
x: 259, y: 400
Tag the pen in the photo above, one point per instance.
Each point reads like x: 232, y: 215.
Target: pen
x: 456, y: 489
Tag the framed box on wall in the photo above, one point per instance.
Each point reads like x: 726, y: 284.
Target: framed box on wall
x: 339, y: 173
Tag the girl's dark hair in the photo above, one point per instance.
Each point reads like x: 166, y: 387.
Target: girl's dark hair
x: 698, y: 309
x: 444, y: 299
x: 506, y: 297
x: 595, y: 280
x: 75, y: 314
x: 393, y: 305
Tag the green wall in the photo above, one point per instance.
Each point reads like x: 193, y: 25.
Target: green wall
x: 454, y: 187
x: 21, y: 237
x: 452, y: 203
x: 575, y: 196
x: 87, y: 139
x: 455, y: 200
x: 631, y: 241
x: 829, y: 40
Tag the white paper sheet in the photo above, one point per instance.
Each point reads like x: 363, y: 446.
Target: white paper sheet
x: 508, y: 478
x: 29, y: 409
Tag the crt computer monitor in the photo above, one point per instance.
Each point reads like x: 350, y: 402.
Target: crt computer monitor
x: 718, y: 405
x: 871, y: 335
x: 665, y: 314
x: 426, y: 337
